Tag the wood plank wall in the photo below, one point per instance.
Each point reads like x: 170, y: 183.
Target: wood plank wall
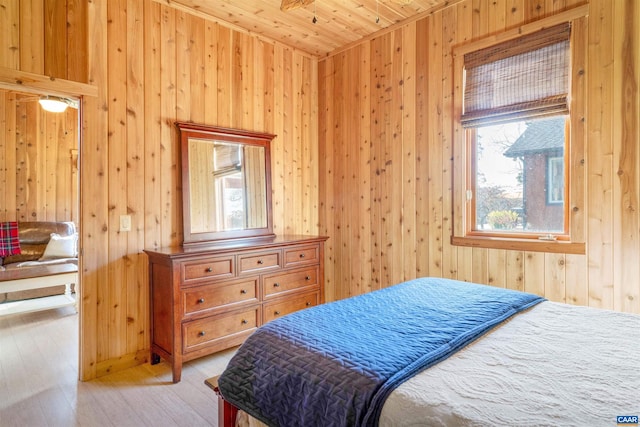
x: 38, y: 168
x: 38, y: 161
x: 176, y: 66
x: 385, y: 130
x: 383, y: 151
x: 153, y: 65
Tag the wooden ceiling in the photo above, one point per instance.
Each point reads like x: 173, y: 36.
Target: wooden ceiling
x: 338, y: 22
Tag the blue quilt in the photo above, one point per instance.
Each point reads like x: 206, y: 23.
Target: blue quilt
x: 335, y: 364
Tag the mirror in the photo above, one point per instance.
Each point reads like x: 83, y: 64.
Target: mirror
x: 226, y: 183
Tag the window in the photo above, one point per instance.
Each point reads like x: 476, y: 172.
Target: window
x: 517, y: 173
x: 518, y: 184
x: 555, y: 180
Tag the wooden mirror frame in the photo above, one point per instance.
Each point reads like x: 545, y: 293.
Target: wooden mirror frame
x: 189, y: 131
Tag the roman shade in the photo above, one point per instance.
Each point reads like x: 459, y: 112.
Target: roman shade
x: 521, y: 78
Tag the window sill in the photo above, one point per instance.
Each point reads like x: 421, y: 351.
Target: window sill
x: 520, y: 244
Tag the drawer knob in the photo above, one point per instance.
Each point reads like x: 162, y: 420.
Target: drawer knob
x: 260, y: 261
x: 243, y: 291
x: 277, y: 313
x: 244, y: 321
x: 200, y: 300
x: 201, y: 333
x: 308, y: 303
x: 209, y: 270
x: 307, y: 278
x: 301, y: 255
x: 276, y: 285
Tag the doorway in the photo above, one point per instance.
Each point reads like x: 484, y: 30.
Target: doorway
x: 39, y: 176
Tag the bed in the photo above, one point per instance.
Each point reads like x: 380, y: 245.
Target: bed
x: 434, y: 352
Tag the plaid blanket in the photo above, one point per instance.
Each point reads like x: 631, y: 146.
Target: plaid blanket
x: 9, y: 243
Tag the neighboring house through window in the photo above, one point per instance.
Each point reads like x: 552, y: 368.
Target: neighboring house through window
x: 540, y: 148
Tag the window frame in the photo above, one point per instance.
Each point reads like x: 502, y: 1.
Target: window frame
x: 574, y: 240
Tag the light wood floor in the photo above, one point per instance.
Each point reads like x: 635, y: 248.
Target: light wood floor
x: 39, y: 386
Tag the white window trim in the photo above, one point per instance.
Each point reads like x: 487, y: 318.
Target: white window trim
x: 549, y: 179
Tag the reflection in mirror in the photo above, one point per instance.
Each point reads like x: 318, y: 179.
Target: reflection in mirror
x: 226, y: 183
x: 227, y: 186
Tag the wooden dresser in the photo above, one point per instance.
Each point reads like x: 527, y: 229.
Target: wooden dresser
x: 209, y: 298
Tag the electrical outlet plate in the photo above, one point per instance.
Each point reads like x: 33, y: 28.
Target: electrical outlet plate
x: 125, y: 222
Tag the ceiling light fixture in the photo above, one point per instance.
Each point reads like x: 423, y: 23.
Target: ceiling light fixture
x: 56, y: 104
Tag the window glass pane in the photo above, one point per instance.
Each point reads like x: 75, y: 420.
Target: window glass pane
x: 520, y: 176
x: 230, y: 189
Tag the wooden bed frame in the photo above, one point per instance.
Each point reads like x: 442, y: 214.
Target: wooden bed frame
x: 227, y: 413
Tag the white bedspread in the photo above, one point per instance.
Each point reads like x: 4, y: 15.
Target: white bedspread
x: 554, y: 365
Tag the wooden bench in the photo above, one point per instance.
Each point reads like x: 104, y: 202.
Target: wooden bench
x: 36, y: 277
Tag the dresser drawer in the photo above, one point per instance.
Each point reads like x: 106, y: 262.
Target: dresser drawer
x: 276, y: 309
x: 208, y: 268
x: 207, y: 331
x: 256, y: 262
x: 209, y: 297
x: 290, y: 281
x: 300, y: 255
x: 212, y: 296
